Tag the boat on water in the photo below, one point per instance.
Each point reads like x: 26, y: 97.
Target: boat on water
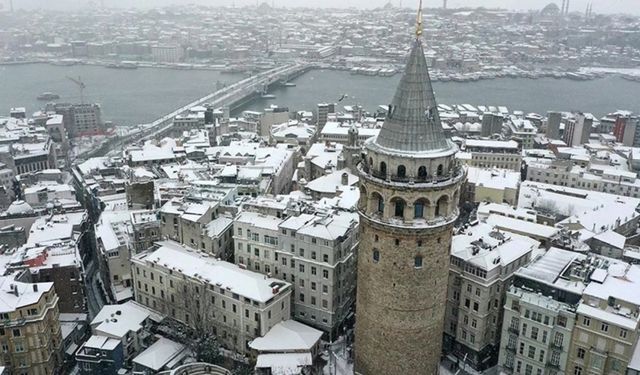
x: 268, y: 96
x: 123, y: 65
x: 48, y: 96
x: 289, y: 84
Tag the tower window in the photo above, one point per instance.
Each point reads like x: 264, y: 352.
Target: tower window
x: 402, y: 171
x: 419, y: 243
x: 417, y: 261
x: 397, y: 242
x: 440, y: 170
x: 383, y: 168
x: 379, y: 203
x: 422, y: 173
x: 418, y: 209
x: 399, y: 208
x: 442, y: 205
x: 376, y: 256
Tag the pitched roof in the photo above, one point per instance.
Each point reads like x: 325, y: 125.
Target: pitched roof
x: 413, y: 122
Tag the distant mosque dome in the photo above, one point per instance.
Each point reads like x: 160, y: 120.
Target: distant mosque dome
x: 550, y: 10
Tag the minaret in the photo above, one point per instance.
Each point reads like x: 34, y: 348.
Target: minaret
x: 410, y: 187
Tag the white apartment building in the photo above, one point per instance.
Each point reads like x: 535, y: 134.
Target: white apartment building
x: 489, y: 153
x: 199, y: 291
x: 539, y: 314
x: 483, y: 261
x: 594, y: 177
x: 315, y: 252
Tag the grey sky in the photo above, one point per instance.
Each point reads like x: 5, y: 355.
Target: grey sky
x: 599, y: 6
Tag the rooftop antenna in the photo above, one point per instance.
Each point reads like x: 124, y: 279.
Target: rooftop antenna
x: 419, y: 22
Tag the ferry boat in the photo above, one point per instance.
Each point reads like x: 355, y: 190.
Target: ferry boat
x: 48, y: 96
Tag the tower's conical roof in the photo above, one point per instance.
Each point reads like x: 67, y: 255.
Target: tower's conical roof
x: 413, y: 123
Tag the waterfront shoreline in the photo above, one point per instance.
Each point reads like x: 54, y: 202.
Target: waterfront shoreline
x: 580, y: 74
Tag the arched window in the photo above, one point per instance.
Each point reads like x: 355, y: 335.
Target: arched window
x: 422, y: 173
x: 376, y: 256
x: 402, y: 171
x: 440, y: 170
x: 417, y: 261
x: 371, y: 162
x: 383, y: 168
x: 378, y: 203
x: 398, y: 207
x: 442, y: 206
x: 362, y: 202
x: 418, y: 208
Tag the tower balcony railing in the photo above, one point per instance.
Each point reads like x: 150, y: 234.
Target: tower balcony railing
x: 456, y: 173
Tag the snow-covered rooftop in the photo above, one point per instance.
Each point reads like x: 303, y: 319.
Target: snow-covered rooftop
x: 287, y: 336
x: 195, y: 264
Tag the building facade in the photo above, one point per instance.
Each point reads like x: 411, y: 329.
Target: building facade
x: 314, y: 252
x: 201, y: 292
x: 30, y: 331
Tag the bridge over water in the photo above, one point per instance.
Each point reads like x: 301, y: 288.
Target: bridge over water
x: 231, y: 96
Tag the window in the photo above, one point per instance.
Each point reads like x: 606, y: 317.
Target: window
x: 534, y: 333
x: 301, y: 297
x: 16, y: 332
x: 604, y: 327
x: 418, y: 209
x: 532, y: 352
x: 422, y: 173
x: 581, y: 353
x: 417, y: 261
x: 586, y: 321
x: 383, y: 168
x: 325, y: 274
x: 623, y: 333
x: 577, y: 370
x: 399, y: 208
x: 376, y: 256
x: 402, y: 171
x: 521, y: 349
x: 475, y: 306
x: 541, y: 356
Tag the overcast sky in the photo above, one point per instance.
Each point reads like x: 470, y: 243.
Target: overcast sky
x: 599, y: 6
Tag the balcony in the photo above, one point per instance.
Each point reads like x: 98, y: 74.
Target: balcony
x: 552, y: 366
x: 556, y: 346
x: 514, y: 330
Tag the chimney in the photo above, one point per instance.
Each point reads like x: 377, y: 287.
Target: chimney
x: 345, y: 179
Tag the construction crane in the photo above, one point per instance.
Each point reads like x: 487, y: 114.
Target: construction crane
x: 81, y: 86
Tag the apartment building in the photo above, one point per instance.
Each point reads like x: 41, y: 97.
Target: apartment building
x: 185, y: 221
x: 29, y: 328
x: 592, y: 177
x: 540, y: 313
x: 202, y: 292
x: 482, y: 263
x: 606, y: 332
x: 488, y: 153
x: 314, y: 251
